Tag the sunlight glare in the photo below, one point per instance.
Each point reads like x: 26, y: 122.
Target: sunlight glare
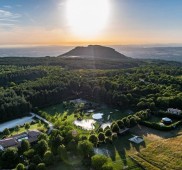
x: 87, y: 18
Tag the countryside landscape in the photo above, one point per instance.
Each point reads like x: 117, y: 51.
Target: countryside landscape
x: 87, y: 102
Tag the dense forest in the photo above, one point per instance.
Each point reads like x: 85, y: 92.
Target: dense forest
x: 148, y: 86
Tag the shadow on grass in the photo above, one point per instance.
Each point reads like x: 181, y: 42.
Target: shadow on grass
x: 119, y: 148
x: 144, y: 131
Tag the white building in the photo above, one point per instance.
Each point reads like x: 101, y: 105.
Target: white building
x: 174, y: 111
x: 136, y: 139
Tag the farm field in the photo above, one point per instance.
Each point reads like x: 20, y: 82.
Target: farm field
x: 163, y: 154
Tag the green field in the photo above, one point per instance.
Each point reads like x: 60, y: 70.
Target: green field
x: 115, y: 114
x: 119, y: 150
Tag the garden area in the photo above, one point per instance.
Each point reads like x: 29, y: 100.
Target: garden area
x: 34, y: 125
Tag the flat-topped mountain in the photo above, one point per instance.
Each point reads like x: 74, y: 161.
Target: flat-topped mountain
x: 95, y: 51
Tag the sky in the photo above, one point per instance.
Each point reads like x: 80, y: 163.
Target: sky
x: 75, y: 22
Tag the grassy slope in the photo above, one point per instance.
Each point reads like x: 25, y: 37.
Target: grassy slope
x: 163, y: 154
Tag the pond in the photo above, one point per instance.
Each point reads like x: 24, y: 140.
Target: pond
x: 13, y: 123
x: 86, y: 124
x: 102, y: 151
x: 97, y: 116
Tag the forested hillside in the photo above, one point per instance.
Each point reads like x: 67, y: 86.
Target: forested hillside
x: 148, y: 86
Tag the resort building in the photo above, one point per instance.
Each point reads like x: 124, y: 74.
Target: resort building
x: 15, y: 141
x: 174, y: 111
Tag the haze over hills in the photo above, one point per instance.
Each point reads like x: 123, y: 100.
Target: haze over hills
x: 170, y: 53
x: 95, y: 51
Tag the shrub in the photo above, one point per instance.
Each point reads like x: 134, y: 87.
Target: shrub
x: 108, y: 132
x: 107, y: 167
x: 41, y: 166
x: 159, y: 127
x: 98, y: 161
x: 83, y: 137
x: 94, y: 139
x: 32, y: 166
x: 101, y: 137
x: 86, y: 148
x: 48, y: 158
x: 120, y: 123
x: 108, y: 140
x: 115, y: 128
x: 20, y: 166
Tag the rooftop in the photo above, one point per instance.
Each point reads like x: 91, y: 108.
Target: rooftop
x: 15, y: 141
x: 136, y: 139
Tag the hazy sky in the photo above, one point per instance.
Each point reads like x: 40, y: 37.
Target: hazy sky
x: 24, y: 22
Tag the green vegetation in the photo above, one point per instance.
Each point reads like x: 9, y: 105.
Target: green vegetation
x: 140, y: 93
x: 163, y: 154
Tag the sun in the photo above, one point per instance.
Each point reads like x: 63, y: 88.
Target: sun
x: 87, y: 18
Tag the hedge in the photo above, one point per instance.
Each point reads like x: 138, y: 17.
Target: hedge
x: 159, y: 127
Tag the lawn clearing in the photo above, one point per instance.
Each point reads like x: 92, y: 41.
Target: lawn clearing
x: 115, y: 114
x: 52, y: 110
x: 118, y: 152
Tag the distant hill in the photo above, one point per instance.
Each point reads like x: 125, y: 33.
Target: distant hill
x: 95, y: 51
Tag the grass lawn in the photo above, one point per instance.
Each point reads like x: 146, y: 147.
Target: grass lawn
x: 73, y: 162
x: 119, y: 152
x: 115, y: 114
x: 35, y: 126
x: 55, y: 109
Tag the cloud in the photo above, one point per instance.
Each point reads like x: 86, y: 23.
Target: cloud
x: 8, y: 19
x: 7, y: 6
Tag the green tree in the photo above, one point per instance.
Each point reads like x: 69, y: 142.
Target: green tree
x: 98, y: 161
x: 20, y: 166
x: 32, y: 166
x: 17, y: 128
x: 48, y: 158
x: 27, y: 126
x: 120, y: 123
x: 108, y: 133
x: 115, y: 128
x: 94, y: 139
x: 86, y: 148
x: 107, y: 166
x: 36, y: 159
x: 25, y: 145
x: 29, y: 153
x: 41, y: 166
x: 62, y: 152
x: 42, y: 147
x: 9, y: 155
x: 6, y: 132
x: 101, y: 137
